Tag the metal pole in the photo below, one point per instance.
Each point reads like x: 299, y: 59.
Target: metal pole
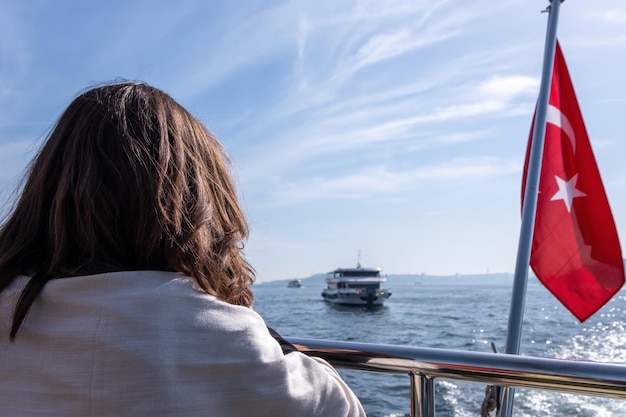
x: 516, y: 312
x: 422, y: 395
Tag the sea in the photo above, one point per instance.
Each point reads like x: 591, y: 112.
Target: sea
x: 462, y: 314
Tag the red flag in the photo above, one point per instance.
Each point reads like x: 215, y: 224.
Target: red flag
x: 576, y: 252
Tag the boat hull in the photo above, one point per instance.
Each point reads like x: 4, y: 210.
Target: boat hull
x: 358, y: 299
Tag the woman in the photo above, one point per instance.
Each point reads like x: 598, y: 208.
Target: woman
x: 123, y: 288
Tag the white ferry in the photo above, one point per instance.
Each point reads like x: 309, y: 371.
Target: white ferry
x: 355, y: 286
x: 294, y: 283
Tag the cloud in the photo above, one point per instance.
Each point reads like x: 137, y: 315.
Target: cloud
x: 385, y: 46
x: 253, y: 40
x: 412, y: 122
x: 609, y: 16
x: 506, y: 87
x: 360, y: 39
x: 379, y: 180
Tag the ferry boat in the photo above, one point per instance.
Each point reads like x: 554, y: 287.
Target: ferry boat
x: 355, y: 286
x: 294, y: 283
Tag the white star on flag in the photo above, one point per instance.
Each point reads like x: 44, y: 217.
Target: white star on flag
x: 567, y: 191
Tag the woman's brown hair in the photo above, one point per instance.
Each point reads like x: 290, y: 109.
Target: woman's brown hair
x: 127, y: 180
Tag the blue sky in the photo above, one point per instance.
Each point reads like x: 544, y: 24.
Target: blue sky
x: 397, y: 128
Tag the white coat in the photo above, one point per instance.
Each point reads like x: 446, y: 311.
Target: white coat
x: 146, y: 343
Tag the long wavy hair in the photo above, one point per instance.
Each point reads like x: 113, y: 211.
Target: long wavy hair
x: 127, y: 180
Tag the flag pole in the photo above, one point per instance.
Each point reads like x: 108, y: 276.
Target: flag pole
x: 520, y: 280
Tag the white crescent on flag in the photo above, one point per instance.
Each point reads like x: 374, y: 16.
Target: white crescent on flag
x: 558, y: 119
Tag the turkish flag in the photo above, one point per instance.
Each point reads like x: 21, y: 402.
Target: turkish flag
x: 576, y: 252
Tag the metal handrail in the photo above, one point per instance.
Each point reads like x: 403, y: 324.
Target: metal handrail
x: 426, y: 364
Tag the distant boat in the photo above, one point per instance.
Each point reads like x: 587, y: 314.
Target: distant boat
x: 355, y: 286
x: 295, y: 283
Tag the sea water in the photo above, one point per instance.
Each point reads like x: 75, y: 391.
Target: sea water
x: 465, y: 317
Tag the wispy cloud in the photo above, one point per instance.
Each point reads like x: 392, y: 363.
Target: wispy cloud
x: 380, y: 180
x: 609, y: 16
x: 348, y: 129
x: 359, y: 39
x: 252, y: 41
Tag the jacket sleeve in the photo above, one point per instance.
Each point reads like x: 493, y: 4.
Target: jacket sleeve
x: 286, y: 346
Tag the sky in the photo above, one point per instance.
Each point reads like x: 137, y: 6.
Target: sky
x: 391, y: 129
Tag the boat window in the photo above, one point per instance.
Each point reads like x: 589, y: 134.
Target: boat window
x: 365, y: 286
x: 364, y: 273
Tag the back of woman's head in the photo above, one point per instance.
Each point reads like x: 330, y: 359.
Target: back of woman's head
x: 127, y: 180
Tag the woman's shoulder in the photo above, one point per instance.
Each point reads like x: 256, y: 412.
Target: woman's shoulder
x: 141, y: 306
x: 139, y: 287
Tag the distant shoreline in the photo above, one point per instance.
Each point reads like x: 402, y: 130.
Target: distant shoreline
x: 497, y: 278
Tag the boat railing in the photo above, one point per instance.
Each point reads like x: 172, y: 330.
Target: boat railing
x: 424, y: 365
